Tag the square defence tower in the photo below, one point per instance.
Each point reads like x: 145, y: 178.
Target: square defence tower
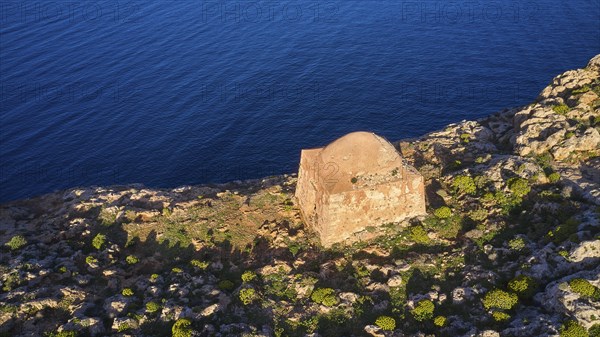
x: 358, y: 181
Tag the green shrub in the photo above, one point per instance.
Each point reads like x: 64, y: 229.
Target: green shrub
x: 519, y: 186
x: 199, y: 264
x: 127, y: 292
x: 500, y: 316
x: 248, y: 295
x: 325, y: 296
x: 225, y: 285
x: 443, y: 212
x: 152, y: 307
x: 517, y: 244
x: 386, y: 323
x: 177, y: 270
x: 573, y: 329
x: 464, y: 184
x: 248, y: 276
x: 182, y: 328
x: 16, y: 242
x: 354, y: 180
x: 554, y: 177
x: 584, y: 288
x: 522, y: 285
x: 90, y: 260
x: 99, y: 241
x: 595, y: 330
x: 423, y: 310
x: 499, y: 299
x: 465, y: 137
x: 581, y: 90
x: 418, y: 235
x: 153, y: 277
x: 561, y: 109
x: 132, y: 259
x: 439, y: 321
x: 564, y: 231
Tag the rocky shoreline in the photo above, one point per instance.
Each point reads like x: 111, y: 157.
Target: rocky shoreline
x: 510, y: 245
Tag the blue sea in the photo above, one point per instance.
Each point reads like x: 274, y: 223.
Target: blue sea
x: 170, y: 93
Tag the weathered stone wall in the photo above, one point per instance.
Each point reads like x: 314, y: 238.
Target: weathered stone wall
x: 362, y: 182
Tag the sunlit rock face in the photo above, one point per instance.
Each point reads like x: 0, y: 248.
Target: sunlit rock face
x: 358, y: 181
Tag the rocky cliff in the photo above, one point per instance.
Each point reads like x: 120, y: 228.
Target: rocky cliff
x: 510, y: 245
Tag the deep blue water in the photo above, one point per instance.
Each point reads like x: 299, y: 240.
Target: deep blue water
x: 169, y: 93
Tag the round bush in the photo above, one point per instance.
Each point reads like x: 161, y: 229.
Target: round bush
x: 443, y: 212
x: 519, y: 186
x: 423, y: 311
x: 439, y: 321
x: 182, y: 328
x: 522, y: 285
x: 554, y: 177
x: 248, y: 276
x: 573, y: 329
x: 127, y: 292
x: 16, y: 242
x: 595, y: 330
x: 132, y: 259
x: 584, y: 288
x: 152, y: 307
x: 499, y: 299
x: 248, y: 295
x: 386, y: 323
x: 98, y: 241
x: 325, y: 296
x: 464, y: 184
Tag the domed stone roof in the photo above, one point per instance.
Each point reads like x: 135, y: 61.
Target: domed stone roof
x: 360, y: 153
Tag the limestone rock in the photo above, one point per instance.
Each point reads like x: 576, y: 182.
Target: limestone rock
x: 359, y: 180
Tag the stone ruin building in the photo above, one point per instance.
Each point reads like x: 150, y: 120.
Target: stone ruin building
x: 358, y: 181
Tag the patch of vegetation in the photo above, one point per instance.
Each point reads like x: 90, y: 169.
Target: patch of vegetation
x: 464, y: 184
x: 107, y: 217
x: 519, y: 186
x: 177, y: 270
x: 523, y: 285
x: 423, y: 310
x: 573, y: 329
x: 418, y: 235
x: 500, y: 316
x: 127, y: 292
x: 354, y: 180
x: 98, y: 241
x: 90, y: 260
x: 325, y: 296
x: 465, y: 138
x: 581, y: 90
x: 554, y: 177
x: 152, y: 307
x: 595, y: 330
x: 386, y: 323
x: 16, y: 242
x: 517, y: 244
x: 443, y: 212
x: 225, y: 285
x: 199, y: 264
x: 132, y: 259
x: 561, y: 109
x: 440, y: 321
x: 499, y: 299
x: 564, y: 231
x: 248, y: 276
x: 248, y: 295
x: 584, y: 288
x: 182, y: 328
